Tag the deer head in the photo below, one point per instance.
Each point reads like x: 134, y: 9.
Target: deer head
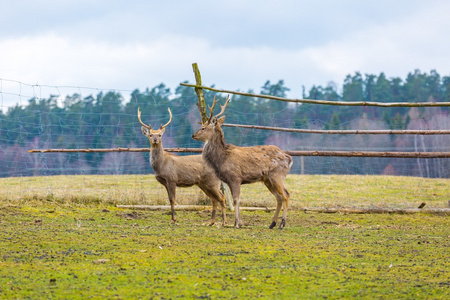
x: 207, y: 129
x: 154, y: 135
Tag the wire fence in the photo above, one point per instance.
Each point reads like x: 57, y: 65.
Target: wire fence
x: 75, y: 121
x: 89, y: 131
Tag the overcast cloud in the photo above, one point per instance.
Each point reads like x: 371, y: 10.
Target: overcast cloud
x: 238, y: 45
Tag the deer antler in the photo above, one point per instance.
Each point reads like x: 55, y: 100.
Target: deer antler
x: 139, y: 117
x: 170, y: 120
x: 211, y: 108
x: 222, y: 107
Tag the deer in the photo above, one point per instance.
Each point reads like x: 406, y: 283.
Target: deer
x: 174, y: 171
x: 237, y: 165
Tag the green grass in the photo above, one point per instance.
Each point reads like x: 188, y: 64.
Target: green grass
x: 62, y: 237
x: 93, y: 251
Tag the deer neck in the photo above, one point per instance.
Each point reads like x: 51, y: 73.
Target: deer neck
x: 156, y: 156
x: 215, y: 149
x: 219, y: 138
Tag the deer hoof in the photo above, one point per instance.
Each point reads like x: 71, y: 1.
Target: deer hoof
x: 272, y: 225
x: 282, y: 224
x: 237, y: 225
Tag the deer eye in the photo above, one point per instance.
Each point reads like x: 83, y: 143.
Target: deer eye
x: 203, y: 128
x: 159, y: 135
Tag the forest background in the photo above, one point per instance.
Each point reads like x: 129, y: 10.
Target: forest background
x: 107, y: 120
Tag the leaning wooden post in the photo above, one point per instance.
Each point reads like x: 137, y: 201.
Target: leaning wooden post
x: 199, y: 91
x: 202, y: 108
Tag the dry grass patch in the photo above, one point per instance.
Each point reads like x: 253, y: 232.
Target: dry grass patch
x: 306, y: 191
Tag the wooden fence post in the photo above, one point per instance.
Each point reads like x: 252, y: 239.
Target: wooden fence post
x: 202, y: 108
x: 199, y: 91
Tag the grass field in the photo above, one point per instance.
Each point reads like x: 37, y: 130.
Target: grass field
x: 63, y: 237
x: 306, y: 191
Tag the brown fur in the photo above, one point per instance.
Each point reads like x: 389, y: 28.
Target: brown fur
x: 242, y: 165
x: 183, y: 171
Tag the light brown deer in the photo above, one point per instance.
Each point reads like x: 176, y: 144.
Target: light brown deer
x: 241, y: 165
x: 182, y: 171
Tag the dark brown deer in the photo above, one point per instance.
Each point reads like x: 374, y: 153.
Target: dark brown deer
x: 241, y: 165
x: 182, y: 171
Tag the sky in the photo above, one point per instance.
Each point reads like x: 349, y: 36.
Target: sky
x: 238, y: 45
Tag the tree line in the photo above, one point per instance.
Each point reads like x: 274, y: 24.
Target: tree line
x: 106, y: 120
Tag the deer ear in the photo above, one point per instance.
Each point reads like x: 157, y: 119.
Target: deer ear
x: 144, y: 130
x: 221, y: 120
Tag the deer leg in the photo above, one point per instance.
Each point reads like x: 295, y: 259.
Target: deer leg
x: 273, y: 189
x: 171, y: 191
x: 221, y: 199
x: 277, y: 212
x: 222, y: 207
x: 285, y: 208
x: 216, y: 196
x: 224, y: 215
x: 235, y: 192
x: 213, y: 214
